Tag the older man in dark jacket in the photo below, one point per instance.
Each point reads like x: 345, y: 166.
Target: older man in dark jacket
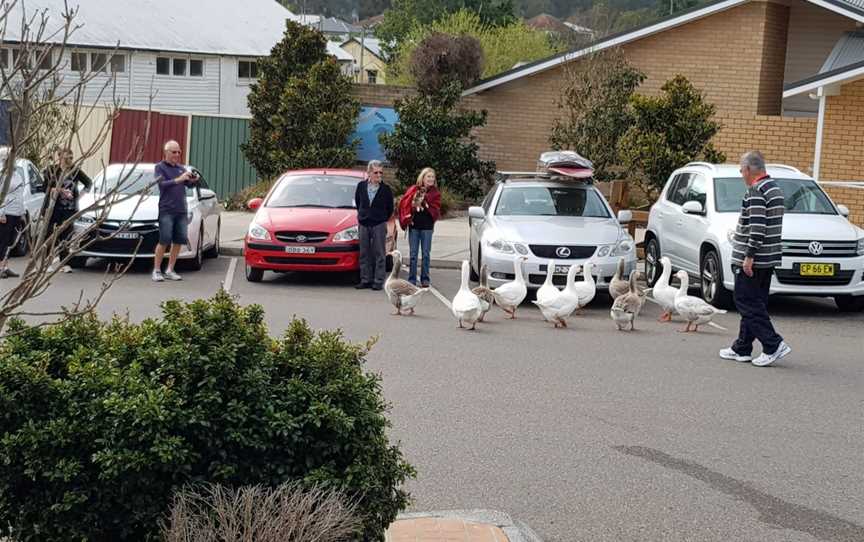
x: 375, y: 206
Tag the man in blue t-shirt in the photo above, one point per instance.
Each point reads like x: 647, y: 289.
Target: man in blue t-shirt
x: 172, y: 179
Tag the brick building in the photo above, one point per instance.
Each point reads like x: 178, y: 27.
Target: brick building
x: 787, y: 77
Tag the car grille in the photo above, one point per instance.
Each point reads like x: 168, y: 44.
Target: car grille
x: 557, y: 280
x: 287, y: 260
x: 145, y: 244
x: 577, y: 252
x: 830, y: 249
x: 791, y: 277
x: 307, y: 236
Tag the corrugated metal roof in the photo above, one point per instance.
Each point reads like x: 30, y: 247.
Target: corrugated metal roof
x: 848, y: 50
x: 222, y: 27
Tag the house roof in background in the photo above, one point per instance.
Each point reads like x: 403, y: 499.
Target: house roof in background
x: 328, y: 25
x: 371, y: 22
x: 848, y: 50
x: 853, y: 9
x: 219, y: 27
x: 549, y: 23
x: 373, y: 45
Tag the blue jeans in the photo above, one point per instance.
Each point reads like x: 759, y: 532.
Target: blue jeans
x: 419, y: 240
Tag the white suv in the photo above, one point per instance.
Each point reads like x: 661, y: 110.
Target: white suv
x: 823, y: 253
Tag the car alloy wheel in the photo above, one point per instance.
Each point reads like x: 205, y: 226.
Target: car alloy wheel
x: 653, y: 267
x: 711, y: 280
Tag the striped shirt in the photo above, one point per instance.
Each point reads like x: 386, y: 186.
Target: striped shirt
x: 760, y: 226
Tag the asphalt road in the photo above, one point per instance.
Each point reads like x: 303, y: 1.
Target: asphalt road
x: 589, y: 433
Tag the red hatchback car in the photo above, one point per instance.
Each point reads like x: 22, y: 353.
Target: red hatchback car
x: 307, y: 222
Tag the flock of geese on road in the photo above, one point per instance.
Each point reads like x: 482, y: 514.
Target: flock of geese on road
x: 470, y: 305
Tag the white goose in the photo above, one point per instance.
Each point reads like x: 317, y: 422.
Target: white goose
x: 484, y: 292
x: 587, y: 288
x: 626, y: 307
x: 619, y: 286
x: 466, y: 306
x: 548, y: 291
x: 663, y: 293
x: 511, y: 294
x: 695, y: 310
x: 560, y: 307
x: 402, y: 294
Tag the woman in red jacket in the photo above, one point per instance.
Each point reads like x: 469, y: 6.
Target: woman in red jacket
x: 419, y: 209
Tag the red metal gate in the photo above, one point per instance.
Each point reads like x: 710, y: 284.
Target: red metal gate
x: 130, y: 135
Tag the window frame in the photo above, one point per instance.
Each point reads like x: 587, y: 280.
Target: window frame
x: 79, y: 54
x: 167, y: 59
x: 694, y: 177
x: 96, y: 67
x: 253, y: 71
x: 372, y: 77
x: 111, y: 66
x: 674, y: 188
x: 201, y: 62
x: 174, y: 61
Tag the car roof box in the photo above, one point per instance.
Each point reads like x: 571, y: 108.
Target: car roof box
x: 566, y: 163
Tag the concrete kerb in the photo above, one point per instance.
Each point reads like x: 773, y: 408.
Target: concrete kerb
x: 515, y: 530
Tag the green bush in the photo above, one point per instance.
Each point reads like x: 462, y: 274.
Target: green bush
x: 238, y: 201
x: 100, y: 423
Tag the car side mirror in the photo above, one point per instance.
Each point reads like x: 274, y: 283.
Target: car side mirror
x: 476, y: 212
x: 206, y: 194
x: 693, y: 208
x: 844, y: 211
x: 625, y: 216
x: 254, y: 203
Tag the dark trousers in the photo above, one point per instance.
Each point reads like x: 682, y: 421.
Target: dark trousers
x: 57, y: 219
x: 373, y: 257
x: 8, y: 235
x: 751, y: 298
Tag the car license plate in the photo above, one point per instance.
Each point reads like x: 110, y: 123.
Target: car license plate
x: 816, y: 270
x: 300, y: 250
x: 562, y: 269
x: 127, y: 235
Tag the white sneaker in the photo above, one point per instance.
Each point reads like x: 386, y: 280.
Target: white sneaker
x: 171, y: 275
x: 765, y: 360
x: 157, y: 276
x: 728, y: 353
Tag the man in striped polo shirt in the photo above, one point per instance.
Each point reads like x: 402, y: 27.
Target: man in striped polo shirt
x: 757, y: 249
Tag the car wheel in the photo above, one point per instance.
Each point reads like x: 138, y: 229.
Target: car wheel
x: 849, y: 303
x: 213, y: 252
x: 475, y: 273
x: 254, y: 274
x: 196, y: 263
x: 78, y: 262
x: 22, y: 247
x: 653, y: 267
x: 711, y: 280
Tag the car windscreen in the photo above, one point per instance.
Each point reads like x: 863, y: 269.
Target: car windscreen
x: 128, y: 181
x: 550, y: 201
x: 325, y: 191
x: 801, y: 196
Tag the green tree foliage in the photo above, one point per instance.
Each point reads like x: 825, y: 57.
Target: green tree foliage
x: 405, y: 15
x: 594, y: 109
x: 503, y: 46
x: 101, y: 423
x: 441, y: 59
x: 302, y: 108
x: 667, y: 132
x: 431, y: 132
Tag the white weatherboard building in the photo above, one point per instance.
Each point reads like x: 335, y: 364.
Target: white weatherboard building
x: 197, y: 56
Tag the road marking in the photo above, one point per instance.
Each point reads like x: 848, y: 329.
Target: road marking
x: 229, y: 277
x: 435, y: 292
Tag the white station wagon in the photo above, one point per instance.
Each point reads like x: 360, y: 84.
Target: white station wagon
x: 823, y: 253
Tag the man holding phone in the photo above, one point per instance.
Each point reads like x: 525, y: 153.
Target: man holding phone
x: 172, y: 179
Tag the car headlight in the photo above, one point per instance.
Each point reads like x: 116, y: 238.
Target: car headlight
x: 604, y: 250
x: 350, y: 234
x: 501, y: 246
x: 623, y: 248
x: 258, y: 232
x: 85, y: 221
x: 861, y: 246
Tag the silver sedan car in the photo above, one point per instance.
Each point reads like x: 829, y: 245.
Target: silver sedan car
x: 544, y: 218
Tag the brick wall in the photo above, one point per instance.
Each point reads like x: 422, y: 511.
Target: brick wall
x: 773, y: 56
x: 852, y: 197
x: 843, y: 142
x: 786, y: 140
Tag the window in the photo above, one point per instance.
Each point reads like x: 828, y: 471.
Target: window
x: 677, y: 193
x: 371, y: 76
x: 487, y: 201
x: 118, y: 63
x: 98, y: 62
x: 17, y: 61
x: 247, y: 69
x: 697, y: 190
x: 4, y: 58
x: 800, y: 196
x: 36, y: 182
x: 196, y: 68
x: 47, y: 61
x: 179, y: 66
x: 79, y: 62
x: 163, y: 66
x: 551, y: 201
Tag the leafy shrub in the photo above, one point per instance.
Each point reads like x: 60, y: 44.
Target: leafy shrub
x: 238, y: 201
x: 441, y: 59
x: 289, y: 512
x: 101, y: 423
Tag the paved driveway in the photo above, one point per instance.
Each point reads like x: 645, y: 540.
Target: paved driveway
x: 588, y: 433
